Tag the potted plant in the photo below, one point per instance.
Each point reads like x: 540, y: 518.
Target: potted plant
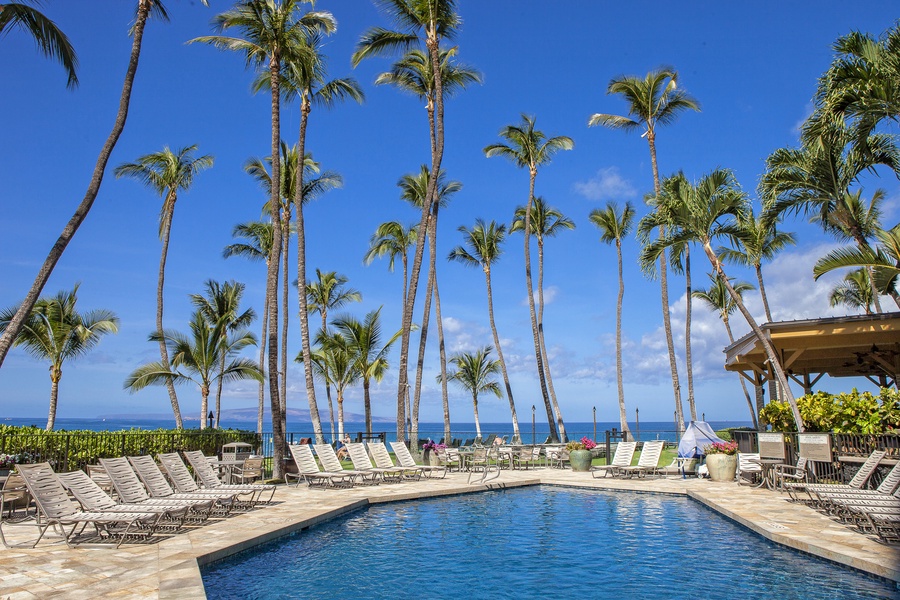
x: 8, y: 462
x: 430, y: 452
x: 721, y: 460
x: 580, y: 454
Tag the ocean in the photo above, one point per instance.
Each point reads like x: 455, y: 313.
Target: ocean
x: 653, y: 430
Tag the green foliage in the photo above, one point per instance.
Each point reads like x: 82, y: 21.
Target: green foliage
x: 852, y: 412
x: 70, y: 450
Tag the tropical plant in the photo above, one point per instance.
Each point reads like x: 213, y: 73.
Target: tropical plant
x: 258, y: 247
x: 719, y: 300
x: 166, y: 172
x: 222, y: 303
x: 55, y: 331
x: 854, y: 292
x: 325, y: 293
x: 474, y: 373
x: 435, y: 21
x: 50, y: 40
x: 546, y: 221
x: 196, y: 358
x: 530, y: 148
x: 652, y: 101
x: 711, y: 210
x: 483, y: 248
x: 853, y: 412
x: 614, y: 225
x: 729, y: 448
x: 392, y: 239
x: 883, y: 260
x: 334, y: 363
x: 369, y: 354
x: 56, y: 251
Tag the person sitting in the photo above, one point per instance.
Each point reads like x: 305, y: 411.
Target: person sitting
x: 343, y: 453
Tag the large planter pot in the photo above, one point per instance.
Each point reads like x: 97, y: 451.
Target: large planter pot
x: 580, y: 460
x: 722, y: 467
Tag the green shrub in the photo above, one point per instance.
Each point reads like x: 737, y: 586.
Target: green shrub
x: 852, y: 412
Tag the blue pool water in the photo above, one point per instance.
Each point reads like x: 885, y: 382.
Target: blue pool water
x: 534, y: 543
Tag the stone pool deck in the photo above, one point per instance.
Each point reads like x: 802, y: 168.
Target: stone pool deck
x: 170, y: 568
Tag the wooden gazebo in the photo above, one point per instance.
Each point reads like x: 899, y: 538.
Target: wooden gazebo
x: 858, y: 346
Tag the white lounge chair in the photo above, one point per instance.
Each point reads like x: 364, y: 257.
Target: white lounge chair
x: 361, y: 462
x: 332, y: 464
x: 308, y: 470
x: 648, y: 461
x: 130, y: 490
x: 382, y: 459
x: 811, y: 489
x: 210, y: 481
x: 184, y: 483
x: 621, y: 458
x: 405, y: 458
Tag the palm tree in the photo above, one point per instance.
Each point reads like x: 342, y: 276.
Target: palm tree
x: 166, y: 173
x: 530, y: 148
x: 653, y: 100
x: 322, y: 295
x: 712, y: 207
x: 614, y: 226
x: 718, y: 299
x: 392, y: 239
x: 333, y: 361
x: 483, y: 248
x: 137, y: 31
x: 474, y: 372
x: 258, y: 247
x: 200, y: 356
x: 370, y: 356
x: 221, y: 303
x: 854, y: 292
x: 436, y: 20
x: 50, y: 40
x: 56, y: 331
x: 546, y: 221
x: 883, y: 261
x: 414, y: 189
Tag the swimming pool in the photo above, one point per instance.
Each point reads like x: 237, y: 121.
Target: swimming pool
x: 534, y: 542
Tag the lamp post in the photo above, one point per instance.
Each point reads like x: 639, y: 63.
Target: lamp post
x: 637, y: 424
x: 209, y: 419
x: 533, y: 441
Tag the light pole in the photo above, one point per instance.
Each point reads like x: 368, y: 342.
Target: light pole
x: 532, y: 426
x: 209, y: 419
x: 595, y: 423
x: 637, y: 423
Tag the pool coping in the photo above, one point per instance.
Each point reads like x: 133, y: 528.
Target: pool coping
x: 171, y: 568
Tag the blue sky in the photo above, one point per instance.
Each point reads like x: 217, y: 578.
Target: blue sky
x: 753, y: 67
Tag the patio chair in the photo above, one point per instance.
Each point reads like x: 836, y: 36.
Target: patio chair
x: 378, y: 452
x: 557, y: 456
x: 57, y: 509
x: 621, y: 458
x: 130, y: 490
x: 332, y: 464
x: 14, y: 496
x: 797, y: 473
x: 361, y: 462
x: 527, y: 458
x: 308, y: 470
x: 184, y: 482
x: 484, y: 461
x: 250, y: 471
x: 157, y: 486
x: 405, y: 458
x: 862, y: 476
x: 749, y: 468
x: 647, y: 463
x: 92, y: 498
x: 210, y: 481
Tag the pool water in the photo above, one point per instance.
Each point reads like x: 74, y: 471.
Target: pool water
x: 534, y: 542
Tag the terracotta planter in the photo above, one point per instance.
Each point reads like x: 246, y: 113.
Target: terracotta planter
x: 722, y: 467
x: 580, y: 460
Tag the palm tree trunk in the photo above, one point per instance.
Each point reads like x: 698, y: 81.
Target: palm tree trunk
x: 274, y: 263
x: 340, y: 406
x: 623, y: 415
x: 543, y: 343
x: 442, y: 353
x: 328, y: 383
x: 204, y: 405
x: 261, y: 409
x: 753, y: 416
x: 509, y: 394
x: 773, y: 387
x: 477, y: 422
x: 17, y: 322
x: 664, y: 287
x: 160, y: 282
x: 367, y: 403
x: 219, y: 389
x: 301, y: 280
x: 285, y: 314
x: 687, y: 335
x: 423, y: 337
x: 55, y: 375
x: 551, y: 420
x: 771, y: 354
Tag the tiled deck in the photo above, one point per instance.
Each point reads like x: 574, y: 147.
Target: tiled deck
x: 170, y: 568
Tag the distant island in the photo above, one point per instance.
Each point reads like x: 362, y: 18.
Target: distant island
x: 241, y: 415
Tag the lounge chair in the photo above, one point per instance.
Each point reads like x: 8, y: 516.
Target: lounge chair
x: 797, y: 473
x: 332, y: 464
x: 527, y: 458
x: 57, y: 509
x: 308, y: 470
x: 131, y: 491
x: 15, y: 496
x: 184, y: 483
x: 484, y: 461
x: 208, y: 479
x: 621, y: 458
x: 647, y: 463
x: 749, y: 468
x: 378, y: 452
x: 93, y: 498
x: 361, y: 462
x: 405, y: 458
x: 858, y: 480
x: 829, y: 500
x: 155, y: 482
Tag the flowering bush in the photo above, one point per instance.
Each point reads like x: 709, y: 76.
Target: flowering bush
x: 721, y: 448
x: 574, y: 446
x: 429, y: 445
x: 589, y: 444
x: 9, y: 461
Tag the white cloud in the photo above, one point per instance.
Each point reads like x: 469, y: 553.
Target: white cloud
x: 550, y: 294
x: 607, y: 184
